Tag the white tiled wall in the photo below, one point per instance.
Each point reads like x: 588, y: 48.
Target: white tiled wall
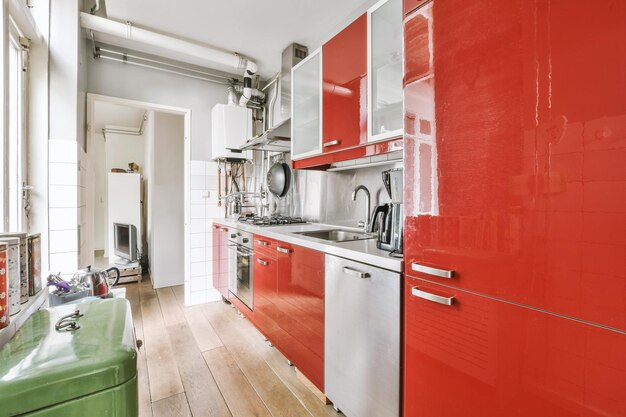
x: 203, y: 199
x: 63, y: 205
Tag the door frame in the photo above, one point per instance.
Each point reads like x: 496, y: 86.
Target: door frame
x: 186, y: 113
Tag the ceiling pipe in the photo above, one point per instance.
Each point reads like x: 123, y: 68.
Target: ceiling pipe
x: 147, y: 37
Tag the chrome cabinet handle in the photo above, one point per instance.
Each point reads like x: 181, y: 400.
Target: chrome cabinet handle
x: 216, y: 227
x: 356, y: 273
x: 443, y: 273
x: 332, y: 143
x: 284, y: 250
x: 262, y: 242
x: 447, y: 301
x: 262, y: 262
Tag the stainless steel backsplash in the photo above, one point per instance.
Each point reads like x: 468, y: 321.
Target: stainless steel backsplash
x: 326, y: 197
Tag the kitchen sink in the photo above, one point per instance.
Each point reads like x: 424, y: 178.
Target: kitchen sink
x: 337, y: 235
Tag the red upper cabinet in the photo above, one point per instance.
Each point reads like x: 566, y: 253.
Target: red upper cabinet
x: 409, y: 5
x: 515, y: 152
x: 344, y: 97
x: 301, y: 304
x: 486, y: 358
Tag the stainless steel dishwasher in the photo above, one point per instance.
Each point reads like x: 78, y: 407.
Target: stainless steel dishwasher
x: 362, y: 338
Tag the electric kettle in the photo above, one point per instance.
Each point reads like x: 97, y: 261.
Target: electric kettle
x: 97, y: 280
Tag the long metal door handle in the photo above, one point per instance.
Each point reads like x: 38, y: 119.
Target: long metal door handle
x: 284, y: 250
x: 447, y: 301
x: 262, y: 262
x: 443, y: 273
x: 262, y: 242
x: 238, y: 252
x: 354, y: 272
x: 332, y: 143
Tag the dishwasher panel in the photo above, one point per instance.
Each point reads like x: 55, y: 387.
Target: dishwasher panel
x: 362, y: 338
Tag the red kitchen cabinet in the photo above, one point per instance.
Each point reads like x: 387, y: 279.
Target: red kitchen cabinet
x: 300, y: 301
x: 409, y: 5
x: 344, y: 96
x: 480, y: 357
x: 220, y: 259
x: 264, y: 296
x: 515, y: 152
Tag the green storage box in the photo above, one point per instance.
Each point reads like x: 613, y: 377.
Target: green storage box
x: 74, y: 367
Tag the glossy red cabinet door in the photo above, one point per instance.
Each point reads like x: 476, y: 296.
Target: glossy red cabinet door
x: 485, y: 358
x: 344, y: 97
x: 220, y: 259
x: 409, y: 5
x: 301, y: 304
x: 264, y: 296
x: 515, y: 152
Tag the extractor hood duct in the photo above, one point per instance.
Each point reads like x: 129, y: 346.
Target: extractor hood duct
x: 277, y: 135
x: 152, y: 39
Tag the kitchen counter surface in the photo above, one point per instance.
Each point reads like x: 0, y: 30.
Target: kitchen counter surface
x: 364, y: 251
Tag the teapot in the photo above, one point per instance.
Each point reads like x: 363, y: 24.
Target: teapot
x: 97, y: 280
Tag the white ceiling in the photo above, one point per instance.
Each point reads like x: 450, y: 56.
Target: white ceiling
x: 259, y: 30
x: 105, y: 113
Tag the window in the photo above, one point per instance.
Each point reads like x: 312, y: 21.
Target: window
x: 15, y: 148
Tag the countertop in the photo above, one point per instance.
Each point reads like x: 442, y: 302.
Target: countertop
x: 364, y: 251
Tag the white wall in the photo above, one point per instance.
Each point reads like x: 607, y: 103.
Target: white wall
x: 151, y: 86
x: 167, y: 202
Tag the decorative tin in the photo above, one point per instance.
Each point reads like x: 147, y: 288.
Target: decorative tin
x: 23, y: 263
x: 13, y: 271
x: 4, y: 287
x: 34, y: 264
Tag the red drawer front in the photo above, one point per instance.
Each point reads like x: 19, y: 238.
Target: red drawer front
x: 517, y: 146
x: 485, y: 358
x: 264, y: 300
x: 265, y: 245
x: 344, y: 98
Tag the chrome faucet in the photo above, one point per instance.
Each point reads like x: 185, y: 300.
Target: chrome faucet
x: 366, y: 223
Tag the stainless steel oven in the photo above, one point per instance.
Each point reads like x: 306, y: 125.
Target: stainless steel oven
x: 240, y: 270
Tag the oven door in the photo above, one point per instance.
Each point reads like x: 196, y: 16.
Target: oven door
x: 240, y: 278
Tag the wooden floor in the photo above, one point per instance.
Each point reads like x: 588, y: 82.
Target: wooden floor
x: 208, y: 361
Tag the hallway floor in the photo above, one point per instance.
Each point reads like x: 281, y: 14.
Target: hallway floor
x: 206, y: 360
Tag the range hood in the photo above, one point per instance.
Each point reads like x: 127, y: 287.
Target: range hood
x: 277, y: 136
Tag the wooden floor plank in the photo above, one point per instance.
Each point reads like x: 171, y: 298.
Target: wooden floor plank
x: 162, y: 370
x: 203, y: 332
x: 170, y: 308
x: 203, y: 394
x: 179, y: 293
x: 174, y: 406
x: 240, y: 396
x: 280, y: 401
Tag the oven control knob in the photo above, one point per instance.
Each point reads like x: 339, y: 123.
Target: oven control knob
x: 233, y: 236
x: 246, y: 240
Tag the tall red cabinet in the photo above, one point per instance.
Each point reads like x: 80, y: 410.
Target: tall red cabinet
x: 515, y: 194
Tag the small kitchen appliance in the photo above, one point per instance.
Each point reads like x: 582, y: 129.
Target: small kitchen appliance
x: 388, y: 219
x: 98, y: 280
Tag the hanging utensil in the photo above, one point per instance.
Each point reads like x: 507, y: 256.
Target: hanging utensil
x: 279, y: 179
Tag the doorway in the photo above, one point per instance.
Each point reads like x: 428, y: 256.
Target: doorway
x: 139, y: 155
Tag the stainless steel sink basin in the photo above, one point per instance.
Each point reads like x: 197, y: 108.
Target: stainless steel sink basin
x: 336, y: 235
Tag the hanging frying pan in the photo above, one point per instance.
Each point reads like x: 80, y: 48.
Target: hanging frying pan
x: 279, y: 179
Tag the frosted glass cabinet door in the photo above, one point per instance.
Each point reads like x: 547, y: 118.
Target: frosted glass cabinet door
x: 306, y: 122
x: 385, y: 70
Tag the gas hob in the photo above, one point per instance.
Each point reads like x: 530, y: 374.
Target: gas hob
x: 271, y: 221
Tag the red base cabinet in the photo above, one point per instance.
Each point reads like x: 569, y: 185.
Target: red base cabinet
x: 480, y: 357
x: 301, y: 305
